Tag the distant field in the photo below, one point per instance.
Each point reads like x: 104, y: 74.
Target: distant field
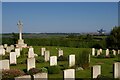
x: 106, y: 64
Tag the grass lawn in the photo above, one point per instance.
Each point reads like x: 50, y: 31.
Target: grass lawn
x: 106, y: 63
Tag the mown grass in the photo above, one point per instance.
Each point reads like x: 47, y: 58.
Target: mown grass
x: 106, y: 63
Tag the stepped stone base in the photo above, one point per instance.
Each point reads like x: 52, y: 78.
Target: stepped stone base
x: 21, y: 44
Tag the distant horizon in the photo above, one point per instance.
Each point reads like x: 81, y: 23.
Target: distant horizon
x: 59, y: 17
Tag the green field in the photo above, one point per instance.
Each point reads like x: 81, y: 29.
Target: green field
x: 106, y: 63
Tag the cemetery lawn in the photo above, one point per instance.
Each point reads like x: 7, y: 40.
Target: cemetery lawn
x: 106, y: 63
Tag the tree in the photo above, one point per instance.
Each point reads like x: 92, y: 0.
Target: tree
x: 113, y: 40
x: 15, y: 37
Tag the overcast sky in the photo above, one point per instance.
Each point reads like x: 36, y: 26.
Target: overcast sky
x: 63, y: 17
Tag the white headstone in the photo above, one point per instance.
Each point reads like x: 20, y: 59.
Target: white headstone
x: 47, y: 55
x: 117, y: 70
x: 25, y: 77
x: 114, y: 52
x: 93, y: 51
x: 98, y: 52
x: 118, y: 51
x: 8, y: 49
x: 53, y: 60
x: 43, y: 51
x: 71, y: 60
x: 13, y: 58
x: 31, y: 53
x: 2, y: 51
x: 107, y: 52
x: 30, y: 63
x: 96, y: 70
x: 60, y: 52
x: 5, y: 45
x: 40, y: 76
x: 1, y: 46
x: 12, y: 47
x: 4, y: 64
x: 69, y: 74
x: 17, y: 50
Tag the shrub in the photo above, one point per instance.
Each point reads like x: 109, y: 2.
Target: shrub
x: 101, y: 56
x: 44, y: 69
x: 63, y: 66
x: 119, y: 57
x: 53, y: 69
x: 11, y: 73
x: 83, y: 59
x: 39, y: 59
x: 62, y: 58
x: 33, y: 71
x: 101, y: 77
x: 112, y: 56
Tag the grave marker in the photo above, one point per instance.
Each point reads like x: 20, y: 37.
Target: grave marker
x: 53, y: 60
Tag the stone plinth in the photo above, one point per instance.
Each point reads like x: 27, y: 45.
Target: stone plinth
x: 21, y: 44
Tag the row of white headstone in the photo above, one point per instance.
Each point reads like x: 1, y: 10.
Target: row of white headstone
x: 107, y: 52
x: 6, y: 48
x: 70, y: 73
x: 43, y: 51
x: 53, y: 61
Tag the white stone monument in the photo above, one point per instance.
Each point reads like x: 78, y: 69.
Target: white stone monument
x: 1, y: 46
x: 4, y: 64
x: 71, y: 60
x: 12, y: 47
x: 114, y: 52
x: 96, y: 70
x: 69, y: 74
x: 47, y: 55
x: 107, y: 52
x: 20, y: 41
x: 30, y: 63
x: 43, y: 51
x: 60, y: 53
x: 98, y: 52
x: 116, y: 70
x: 25, y: 77
x: 13, y: 58
x: 2, y: 51
x: 31, y: 53
x: 41, y: 76
x: 17, y: 50
x: 53, y: 60
x: 8, y: 49
x: 5, y: 45
x: 93, y: 51
x: 118, y: 51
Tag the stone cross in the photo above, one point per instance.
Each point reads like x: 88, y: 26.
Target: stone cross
x: 20, y: 26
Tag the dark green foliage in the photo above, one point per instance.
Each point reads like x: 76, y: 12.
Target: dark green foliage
x: 12, y: 73
x: 102, y: 77
x: 119, y: 57
x: 64, y: 66
x: 39, y: 59
x: 62, y: 58
x: 113, y: 40
x: 71, y: 40
x: 101, y: 56
x: 33, y: 71
x: 83, y: 59
x: 53, y: 69
x: 44, y: 69
x: 6, y: 56
x: 112, y: 56
x: 15, y: 37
